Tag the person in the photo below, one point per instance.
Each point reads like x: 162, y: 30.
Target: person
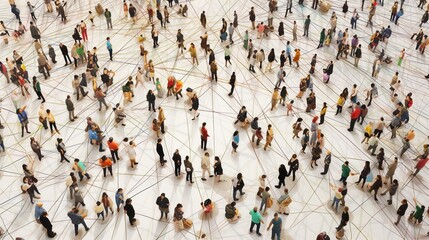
x: 337, y: 196
x: 78, y: 198
x: 417, y: 215
x: 392, y: 191
x: 282, y: 176
x: 61, y: 148
x: 189, y: 169
x: 252, y: 17
x: 323, y: 236
x: 46, y: 223
x: 99, y: 210
x: 178, y: 215
x: 270, y: 137
x: 38, y: 211
x: 108, y: 16
x: 401, y: 210
x: 327, y: 162
x: 293, y: 166
x: 391, y: 171
x: 305, y: 140
x: 80, y: 167
x: 205, y: 166
x: 235, y: 141
x: 315, y: 153
x: 129, y: 210
x: 344, y: 218
x: 109, y: 48
x: 119, y: 198
x: 203, y: 19
x: 323, y: 113
x: 256, y: 220
x: 266, y: 196
x: 106, y: 162
x: 35, y: 146
x: 77, y: 219
x: 160, y: 152
x: 231, y: 212
x: 276, y: 222
x: 23, y: 119
x: 107, y: 203
x: 177, y: 159
x: 306, y: 26
x: 420, y: 165
x: 345, y: 171
x: 375, y: 186
x: 364, y: 173
x: 163, y: 204
x: 204, y: 136
x: 237, y: 185
x: 406, y: 145
x: 354, y: 117
x: 232, y: 83
x: 195, y: 105
x: 218, y: 170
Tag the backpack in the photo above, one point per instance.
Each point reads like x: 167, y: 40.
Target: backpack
x: 229, y: 211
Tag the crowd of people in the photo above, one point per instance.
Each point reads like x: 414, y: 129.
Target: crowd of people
x: 237, y: 41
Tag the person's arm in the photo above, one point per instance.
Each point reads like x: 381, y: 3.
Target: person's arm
x: 269, y: 226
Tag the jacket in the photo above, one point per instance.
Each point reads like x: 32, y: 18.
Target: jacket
x: 75, y: 217
x: 105, y: 163
x: 402, y: 209
x: 159, y: 149
x: 70, y: 105
x: 188, y: 165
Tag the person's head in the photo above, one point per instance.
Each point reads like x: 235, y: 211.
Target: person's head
x: 404, y: 201
x: 98, y: 203
x: 255, y: 209
x: 346, y: 209
x: 128, y: 201
x: 217, y: 159
x: 264, y: 176
x: 346, y: 163
x: 267, y: 189
x: 204, y: 124
x: 395, y: 181
x: 235, y: 133
x: 108, y: 38
x: 367, y: 163
x: 120, y: 190
x: 39, y: 204
x: 187, y: 157
x: 159, y: 140
x: 162, y: 195
x: 233, y: 204
x: 315, y: 118
x: 269, y: 126
x: 239, y: 175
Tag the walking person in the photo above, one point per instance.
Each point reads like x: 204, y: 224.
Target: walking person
x: 189, y: 169
x: 364, y: 173
x: 256, y: 220
x: 270, y: 136
x: 344, y: 218
x: 81, y: 169
x: 106, y: 162
x: 293, y: 166
x: 177, y: 159
x: 205, y: 165
x: 375, y: 186
x: 35, y: 146
x: 114, y: 148
x: 218, y: 170
x: 391, y: 171
x: 46, y: 223
x: 195, y: 104
x: 129, y: 210
x: 237, y: 185
x: 37, y: 89
x: 204, y: 136
x: 392, y: 191
x: 61, y: 148
x: 70, y: 108
x: 276, y: 222
x: 232, y: 83
x: 327, y: 162
x: 282, y: 176
x: 119, y: 198
x: 77, y: 219
x: 401, y: 210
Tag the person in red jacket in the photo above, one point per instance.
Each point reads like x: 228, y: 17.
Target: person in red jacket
x: 421, y: 164
x: 354, y: 117
x: 204, y: 136
x: 105, y: 162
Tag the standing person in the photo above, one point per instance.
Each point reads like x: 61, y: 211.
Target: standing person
x: 232, y: 83
x: 282, y: 176
x: 391, y: 171
x: 296, y: 57
x: 71, y: 183
x: 231, y: 30
x: 406, y: 145
x: 51, y: 53
x: 293, y: 166
x: 314, y: 128
x: 43, y: 65
x: 133, y: 13
x: 107, y: 203
x: 35, y: 32
x: 270, y: 137
x: 252, y: 17
x: 345, y: 171
x: 195, y: 105
x: 203, y: 19
x: 180, y: 41
x: 276, y: 222
x: 108, y: 16
x: 297, y: 128
x: 420, y: 165
x: 354, y: 117
x: 322, y: 113
x: 401, y: 210
x: 70, y: 108
x: 315, y: 154
x: 256, y: 220
x: 275, y: 98
x: 189, y: 169
x: 193, y: 52
x: 375, y: 186
x: 119, y: 198
x: 61, y: 148
x: 204, y: 136
x: 327, y: 162
x: 109, y: 48
x: 161, y: 119
x: 213, y: 70
x: 237, y: 185
x: 130, y: 149
x: 322, y: 38
x: 51, y: 120
x: 23, y: 119
x: 114, y: 148
x: 160, y: 151
x: 344, y: 218
x: 77, y: 219
x: 305, y: 140
x: 401, y: 56
x: 38, y: 211
x: 101, y: 97
x: 65, y: 53
x: 392, y: 191
x: 163, y: 205
x: 106, y: 162
x: 37, y: 89
x: 177, y: 159
x: 35, y: 146
x: 358, y: 55
x: 129, y: 210
x: 150, y: 97
x: 218, y: 170
x: 306, y: 26
x: 46, y: 223
x: 235, y: 141
x: 205, y: 165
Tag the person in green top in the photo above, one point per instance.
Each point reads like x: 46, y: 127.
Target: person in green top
x: 418, y: 213
x: 306, y: 26
x: 322, y: 38
x: 345, y: 171
x: 256, y: 220
x: 276, y: 222
x: 108, y: 16
x: 37, y: 89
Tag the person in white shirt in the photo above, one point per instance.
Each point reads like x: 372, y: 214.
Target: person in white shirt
x: 205, y: 165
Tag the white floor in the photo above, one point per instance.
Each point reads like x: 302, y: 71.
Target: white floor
x: 310, y: 212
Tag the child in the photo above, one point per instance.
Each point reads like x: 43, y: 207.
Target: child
x: 99, y: 210
x: 289, y: 108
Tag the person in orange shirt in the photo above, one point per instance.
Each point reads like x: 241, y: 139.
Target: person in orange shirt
x: 296, y: 57
x: 105, y: 162
x: 410, y: 135
x: 178, y: 89
x: 114, y: 147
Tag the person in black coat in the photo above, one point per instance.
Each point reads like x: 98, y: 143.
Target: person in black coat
x: 129, y: 209
x: 163, y: 204
x: 195, y: 105
x: 329, y: 70
x: 44, y: 220
x: 293, y: 166
x: 344, y: 218
x: 315, y: 154
x: 76, y: 36
x: 375, y: 186
x: 364, y: 173
x: 281, y: 30
x: 150, y: 97
x: 327, y: 162
x: 282, y: 176
x: 401, y: 210
x: 160, y: 152
x: 177, y: 159
x: 232, y: 83
x: 65, y: 53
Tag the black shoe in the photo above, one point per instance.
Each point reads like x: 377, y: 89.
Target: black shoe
x: 236, y: 199
x: 242, y: 193
x: 203, y: 179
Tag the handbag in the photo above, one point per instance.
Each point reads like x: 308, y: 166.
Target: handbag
x: 187, y: 223
x: 269, y: 202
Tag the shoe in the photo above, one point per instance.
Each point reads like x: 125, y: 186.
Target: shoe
x: 236, y: 199
x: 203, y: 179
x: 193, y: 118
x: 259, y: 234
x: 242, y: 193
x: 198, y: 115
x: 211, y: 176
x: 86, y: 229
x: 277, y: 186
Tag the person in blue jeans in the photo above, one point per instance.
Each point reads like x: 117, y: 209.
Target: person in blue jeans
x: 337, y: 197
x: 276, y: 222
x: 77, y: 219
x: 256, y: 220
